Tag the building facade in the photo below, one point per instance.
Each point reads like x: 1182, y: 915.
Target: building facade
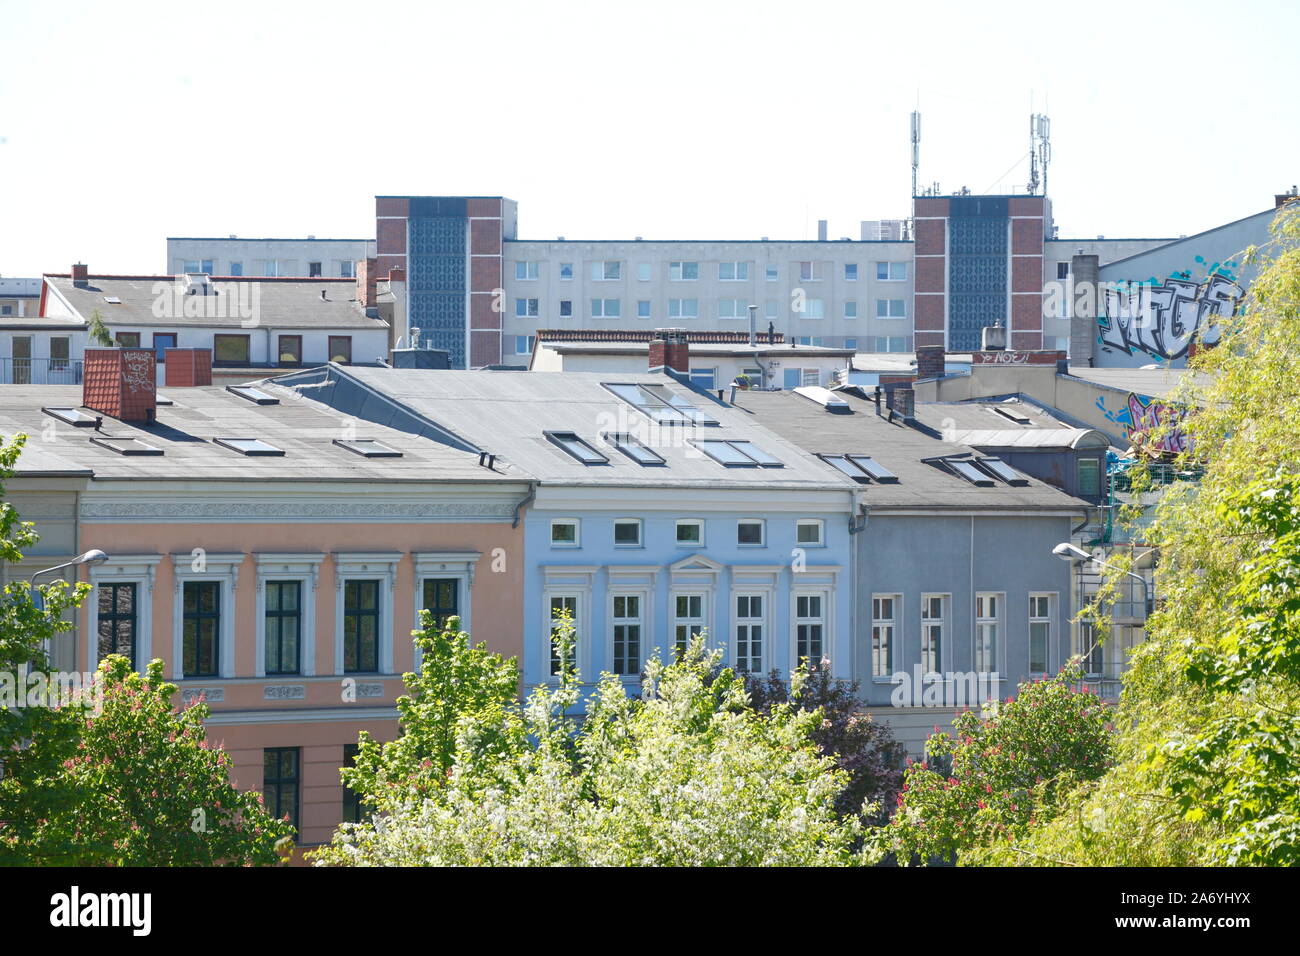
x: 233, y: 256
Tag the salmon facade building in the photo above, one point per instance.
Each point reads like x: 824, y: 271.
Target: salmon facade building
x: 274, y: 555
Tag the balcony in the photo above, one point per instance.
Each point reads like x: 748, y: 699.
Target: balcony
x: 1102, y: 679
x: 39, y: 371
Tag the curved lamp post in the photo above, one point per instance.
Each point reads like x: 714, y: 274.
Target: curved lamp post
x: 1071, y: 554
x: 93, y: 556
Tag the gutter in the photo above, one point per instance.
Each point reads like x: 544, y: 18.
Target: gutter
x: 531, y: 496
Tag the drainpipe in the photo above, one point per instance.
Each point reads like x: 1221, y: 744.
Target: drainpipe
x: 532, y: 495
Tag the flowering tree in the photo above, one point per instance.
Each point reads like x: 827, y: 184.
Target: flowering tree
x: 1008, y: 773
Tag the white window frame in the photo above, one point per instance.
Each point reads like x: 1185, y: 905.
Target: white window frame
x: 678, y: 267
x: 700, y: 621
x: 649, y: 309
x: 944, y: 629
x: 738, y: 266
x: 600, y: 270
x: 895, y: 625
x: 763, y: 621
x: 983, y: 619
x: 813, y: 309
x: 739, y: 309
x: 771, y: 273
x: 137, y: 569
x: 224, y: 569
x: 444, y: 564
x: 698, y: 523
x: 531, y: 308
x: 577, y: 533
x: 531, y: 270
x: 855, y: 271
x: 563, y: 266
x: 823, y: 596
x: 762, y: 526
x: 887, y: 315
x: 303, y: 567
x: 640, y: 533
x: 1033, y: 619
x: 560, y: 581
x: 890, y: 268
x: 378, y: 566
x: 638, y: 582
x: 604, y: 312
x: 677, y: 308
x: 819, y: 524
x: 644, y: 273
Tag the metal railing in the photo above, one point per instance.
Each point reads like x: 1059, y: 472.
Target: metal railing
x: 39, y: 371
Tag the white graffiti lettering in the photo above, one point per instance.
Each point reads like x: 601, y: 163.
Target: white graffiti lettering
x: 1164, y: 320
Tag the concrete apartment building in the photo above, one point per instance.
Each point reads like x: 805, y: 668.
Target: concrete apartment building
x: 234, y: 256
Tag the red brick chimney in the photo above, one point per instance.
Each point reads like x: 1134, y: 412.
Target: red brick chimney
x: 121, y: 383
x: 929, y: 361
x: 397, y: 275
x: 669, y: 348
x: 367, y: 274
x: 185, y: 368
x: 80, y: 273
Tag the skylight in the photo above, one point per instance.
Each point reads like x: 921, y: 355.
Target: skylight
x: 661, y: 405
x: 577, y: 447
x: 72, y: 416
x: 253, y: 447
x: 964, y: 469
x: 1000, y: 469
x: 861, y: 468
x: 112, y: 300
x: 125, y: 446
x: 738, y: 454
x: 1011, y: 416
x: 255, y: 395
x: 368, y: 447
x: 633, y: 448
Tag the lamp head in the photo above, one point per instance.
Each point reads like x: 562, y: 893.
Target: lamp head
x: 1068, y: 552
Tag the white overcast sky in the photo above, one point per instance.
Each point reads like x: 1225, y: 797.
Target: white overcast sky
x: 124, y: 123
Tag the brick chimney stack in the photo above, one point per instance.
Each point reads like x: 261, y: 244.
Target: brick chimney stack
x: 121, y: 383
x: 904, y: 402
x: 367, y: 275
x: 80, y: 274
x: 186, y: 368
x: 669, y: 348
x: 930, y: 361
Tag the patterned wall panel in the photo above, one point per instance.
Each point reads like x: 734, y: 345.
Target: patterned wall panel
x: 977, y: 268
x: 436, y: 275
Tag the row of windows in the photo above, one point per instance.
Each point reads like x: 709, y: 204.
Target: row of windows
x: 282, y: 785
x: 235, y: 349
x: 685, y: 270
x: 270, y: 268
x: 803, y: 308
x: 523, y: 345
x: 689, y: 532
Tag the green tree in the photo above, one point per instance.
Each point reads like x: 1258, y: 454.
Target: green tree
x: 98, y: 332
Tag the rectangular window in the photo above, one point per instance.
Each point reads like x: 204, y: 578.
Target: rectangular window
x: 1062, y: 270
x: 290, y: 349
x: 892, y: 343
x: 566, y: 308
x: 733, y: 271
x: 566, y: 270
x: 631, y: 446
x: 850, y: 272
x: 527, y: 270
x: 313, y: 270
x: 605, y: 308
x: 932, y: 621
x: 683, y: 271
x: 643, y: 308
x: 117, y: 621
x: 353, y: 806
x: 270, y: 268
x: 627, y: 533
x: 749, y: 532
x: 347, y: 269
x: 442, y: 599
x: 737, y: 454
x: 891, y: 271
x: 560, y: 604
x: 769, y: 309
x: 750, y: 622
x: 772, y: 274
x: 128, y: 340
x: 340, y: 349
x: 564, y: 533
x: 162, y: 341
x: 643, y: 271
x: 200, y: 628
x: 576, y: 447
x: 688, y: 620
x: 606, y: 271
x: 230, y: 349
x: 808, y: 532
x: 237, y: 268
x: 850, y: 309
x: 987, y: 614
x: 191, y: 267
x: 891, y: 309
x: 683, y: 308
x: 809, y: 627
x: 527, y: 308
x: 627, y: 634
x: 690, y: 532
x: 884, y: 625
x: 61, y: 352
x: 280, y: 782
x: 1089, y: 474
x: 733, y: 309
x: 524, y: 344
x: 360, y: 626
x: 850, y: 343
x: 283, y: 626
x: 1040, y: 632
x: 814, y: 309
x: 810, y: 271
x: 704, y: 377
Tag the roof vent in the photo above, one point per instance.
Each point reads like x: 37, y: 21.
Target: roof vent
x: 198, y: 283
x: 825, y: 398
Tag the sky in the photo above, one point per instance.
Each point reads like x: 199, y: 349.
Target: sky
x: 124, y: 123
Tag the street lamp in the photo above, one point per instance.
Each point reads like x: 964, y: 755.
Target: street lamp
x: 1069, y: 553
x: 93, y: 556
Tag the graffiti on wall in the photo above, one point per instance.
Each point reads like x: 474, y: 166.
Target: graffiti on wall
x: 1163, y: 320
x: 1149, y: 424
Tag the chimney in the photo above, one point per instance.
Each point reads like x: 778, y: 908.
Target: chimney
x: 367, y: 274
x: 930, y: 361
x: 397, y: 275
x: 821, y: 230
x: 80, y: 274
x: 904, y: 404
x: 993, y: 338
x: 669, y: 349
x: 186, y: 368
x: 120, y: 383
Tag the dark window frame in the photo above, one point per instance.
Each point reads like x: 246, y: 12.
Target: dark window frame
x: 347, y: 353
x: 289, y: 778
x: 353, y: 661
x: 279, y: 350
x: 114, y: 616
x: 440, y: 611
x: 232, y: 336
x: 198, y: 617
x: 280, y: 615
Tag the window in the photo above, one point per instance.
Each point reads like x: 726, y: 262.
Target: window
x: 196, y: 266
x: 117, y: 620
x: 690, y: 533
x: 290, y: 349
x: 737, y: 454
x: 528, y: 270
x: 251, y: 394
x: 564, y: 533
x: 733, y: 271
x: 346, y: 269
x: 850, y: 272
x: 627, y: 533
x: 1094, y: 654
x: 798, y: 377
x: 932, y: 621
x: 631, y: 446
x: 683, y: 308
x: 353, y: 806
x: 283, y: 626
x: 524, y: 344
x: 161, y: 342
x: 769, y: 309
x: 566, y: 270
x: 271, y: 268
x: 1062, y: 270
x: 61, y: 352
x: 237, y: 269
x: 986, y: 632
x: 566, y: 308
x: 527, y: 309
x: 892, y: 343
x: 577, y: 447
x: 360, y: 626
x: 683, y: 271
x: 627, y: 634
x: 643, y: 308
x: 126, y: 446
x: 688, y: 620
x: 280, y: 782
x: 367, y: 448
x: 891, y: 271
x: 809, y: 271
x: 704, y: 377
x: 660, y: 405
x: 605, y: 308
x: 750, y: 532
x: 606, y: 271
x: 230, y: 349
x: 809, y: 627
x: 442, y: 599
x: 252, y: 447
x: 643, y: 271
x: 861, y: 468
x: 1040, y: 632
x: 771, y: 274
x: 750, y: 622
x: 884, y: 625
x: 733, y: 309
x: 814, y: 309
x: 891, y: 309
x: 850, y: 309
x: 1002, y: 471
x: 340, y: 349
x: 127, y: 340
x: 1089, y: 477
x: 559, y: 605
x: 6, y: 310
x: 313, y: 270
x: 809, y: 532
x: 200, y: 628
x: 850, y: 343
